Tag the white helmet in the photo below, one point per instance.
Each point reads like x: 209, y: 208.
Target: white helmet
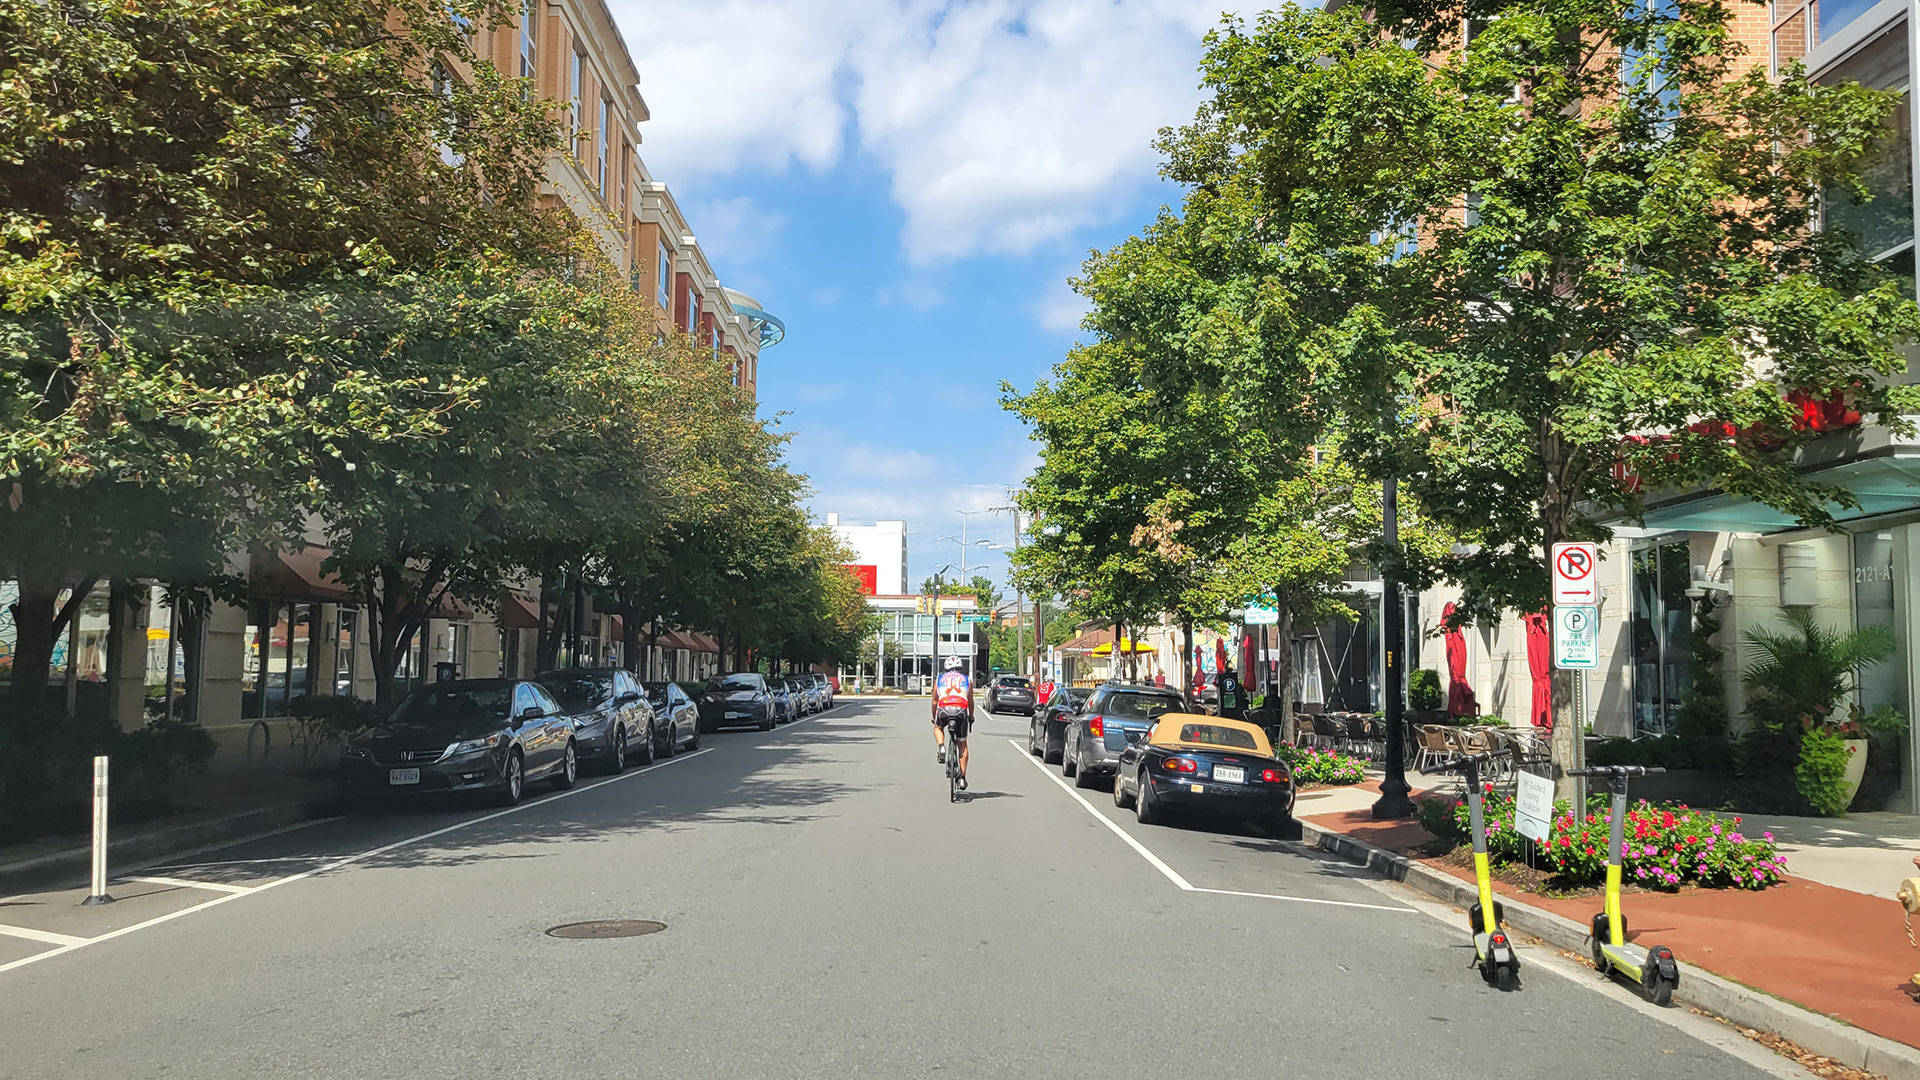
x: 953, y: 663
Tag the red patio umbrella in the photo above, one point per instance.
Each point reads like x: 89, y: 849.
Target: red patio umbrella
x: 1540, y: 664
x: 1220, y: 655
x: 1460, y: 699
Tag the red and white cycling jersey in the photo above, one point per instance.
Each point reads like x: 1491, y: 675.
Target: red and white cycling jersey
x: 953, y: 690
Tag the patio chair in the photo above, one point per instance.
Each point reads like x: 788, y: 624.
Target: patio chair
x: 1326, y: 731
x: 1432, y: 748
x: 1358, y: 735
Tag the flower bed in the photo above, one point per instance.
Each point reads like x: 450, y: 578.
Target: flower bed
x: 1315, y: 766
x: 1666, y: 846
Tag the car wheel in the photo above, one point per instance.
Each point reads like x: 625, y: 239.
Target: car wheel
x: 1120, y: 797
x: 649, y: 743
x: 1068, y: 767
x: 569, y: 769
x: 693, y: 743
x: 514, y: 783
x: 1144, y: 810
x: 617, y: 760
x: 672, y: 745
x: 767, y: 724
x: 1083, y: 779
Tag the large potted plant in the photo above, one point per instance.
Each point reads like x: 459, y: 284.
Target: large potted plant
x: 1795, y: 690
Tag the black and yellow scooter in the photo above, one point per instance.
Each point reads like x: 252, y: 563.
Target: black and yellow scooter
x: 1493, y: 952
x: 1652, y: 966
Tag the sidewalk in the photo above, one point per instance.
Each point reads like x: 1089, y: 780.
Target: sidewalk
x: 1837, y: 951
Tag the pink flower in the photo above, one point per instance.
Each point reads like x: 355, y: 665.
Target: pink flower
x: 1769, y: 836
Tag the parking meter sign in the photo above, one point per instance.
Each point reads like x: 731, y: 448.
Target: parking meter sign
x: 1574, y: 578
x: 1576, y: 636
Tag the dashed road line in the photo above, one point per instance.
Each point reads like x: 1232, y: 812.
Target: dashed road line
x: 45, y: 937
x: 68, y: 944
x: 1169, y: 872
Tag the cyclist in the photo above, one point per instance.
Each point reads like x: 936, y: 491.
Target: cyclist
x: 952, y: 708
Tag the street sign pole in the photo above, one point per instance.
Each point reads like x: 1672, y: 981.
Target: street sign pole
x: 1394, y: 789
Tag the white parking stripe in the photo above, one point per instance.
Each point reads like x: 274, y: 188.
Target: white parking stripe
x: 182, y: 883
x: 70, y: 944
x: 1171, y: 874
x: 42, y: 936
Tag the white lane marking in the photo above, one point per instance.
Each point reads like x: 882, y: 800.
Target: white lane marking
x: 44, y: 937
x: 1304, y: 900
x: 1103, y: 819
x: 335, y: 864
x: 1171, y: 874
x: 182, y: 883
x: 243, y: 862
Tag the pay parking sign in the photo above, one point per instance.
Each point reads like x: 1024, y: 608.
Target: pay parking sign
x: 1576, y: 636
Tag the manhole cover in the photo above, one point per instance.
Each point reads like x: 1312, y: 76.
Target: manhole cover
x: 607, y: 928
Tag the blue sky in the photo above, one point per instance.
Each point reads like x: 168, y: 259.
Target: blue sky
x: 908, y: 184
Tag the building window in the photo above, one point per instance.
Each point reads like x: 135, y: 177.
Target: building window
x: 666, y: 278
x: 1649, y: 79
x: 529, y: 26
x: 626, y: 165
x: 1662, y: 635
x: 1881, y: 228
x: 713, y: 341
x: 443, y: 85
x: 1406, y: 239
x: 693, y: 309
x: 573, y: 91
x: 600, y: 147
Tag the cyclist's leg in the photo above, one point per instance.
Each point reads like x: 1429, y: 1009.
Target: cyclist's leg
x: 939, y: 740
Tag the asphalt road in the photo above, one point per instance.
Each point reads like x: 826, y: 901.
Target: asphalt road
x: 829, y: 913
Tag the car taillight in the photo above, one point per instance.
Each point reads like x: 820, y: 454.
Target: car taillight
x: 1180, y: 764
x: 1274, y: 776
x: 1095, y: 728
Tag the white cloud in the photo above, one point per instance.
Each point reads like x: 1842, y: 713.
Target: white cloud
x: 1004, y: 124
x: 814, y: 393
x: 917, y: 295
x: 828, y: 296
x: 737, y: 229
x: 1060, y: 309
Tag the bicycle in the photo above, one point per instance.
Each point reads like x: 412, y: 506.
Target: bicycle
x: 953, y: 760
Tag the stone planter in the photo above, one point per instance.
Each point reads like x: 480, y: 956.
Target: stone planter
x: 1856, y: 769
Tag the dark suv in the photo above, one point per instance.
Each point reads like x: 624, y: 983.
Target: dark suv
x: 1116, y: 714
x: 1011, y: 693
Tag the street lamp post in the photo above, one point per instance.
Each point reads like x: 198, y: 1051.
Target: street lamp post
x: 1394, y: 789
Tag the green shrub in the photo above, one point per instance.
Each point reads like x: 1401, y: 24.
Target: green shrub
x: 1423, y: 690
x: 1435, y: 814
x: 1820, y: 777
x: 1316, y: 766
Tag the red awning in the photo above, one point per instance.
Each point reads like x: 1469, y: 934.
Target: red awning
x: 518, y: 611
x: 452, y: 607
x: 296, y: 575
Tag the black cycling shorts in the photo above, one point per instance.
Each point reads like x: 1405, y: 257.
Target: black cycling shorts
x: 956, y: 721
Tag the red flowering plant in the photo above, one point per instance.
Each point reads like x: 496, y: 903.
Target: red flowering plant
x: 1663, y: 846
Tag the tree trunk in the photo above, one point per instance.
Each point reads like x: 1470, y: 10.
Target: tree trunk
x: 1186, y: 660
x: 1282, y: 692
x: 630, y: 640
x: 1566, y: 742
x: 33, y: 618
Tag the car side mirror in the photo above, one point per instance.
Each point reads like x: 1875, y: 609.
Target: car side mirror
x: 533, y: 712
x: 629, y: 698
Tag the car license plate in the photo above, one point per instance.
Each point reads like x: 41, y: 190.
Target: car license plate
x: 396, y: 777
x: 1229, y: 774
x: 1198, y: 788
x: 736, y: 715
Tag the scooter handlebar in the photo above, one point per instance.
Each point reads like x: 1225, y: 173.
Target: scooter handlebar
x: 1616, y: 770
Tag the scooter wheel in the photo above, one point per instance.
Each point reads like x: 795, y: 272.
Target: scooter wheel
x: 1507, y: 978
x: 1662, y: 992
x: 1600, y: 958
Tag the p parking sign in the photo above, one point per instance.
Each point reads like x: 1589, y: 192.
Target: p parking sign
x: 1576, y: 636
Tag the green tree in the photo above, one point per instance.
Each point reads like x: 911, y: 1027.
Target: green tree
x: 1513, y: 264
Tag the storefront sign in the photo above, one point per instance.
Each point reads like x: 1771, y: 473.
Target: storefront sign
x: 868, y: 577
x: 1576, y: 636
x: 1533, y: 806
x: 1259, y: 616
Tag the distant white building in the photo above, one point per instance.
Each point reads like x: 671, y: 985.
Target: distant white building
x: 880, y: 554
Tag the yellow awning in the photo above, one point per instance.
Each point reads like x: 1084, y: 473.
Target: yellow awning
x: 1126, y: 645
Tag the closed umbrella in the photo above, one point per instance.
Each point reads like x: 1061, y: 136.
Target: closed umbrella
x: 1460, y: 699
x: 1220, y: 655
x: 1540, y: 664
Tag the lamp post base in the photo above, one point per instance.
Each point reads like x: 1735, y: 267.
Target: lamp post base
x: 1393, y: 801
x: 95, y: 901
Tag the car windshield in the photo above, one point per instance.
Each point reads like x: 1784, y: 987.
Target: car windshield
x: 736, y: 682
x: 1218, y: 735
x: 578, y: 691
x: 463, y: 708
x: 1127, y: 706
x: 1018, y: 682
x: 656, y: 692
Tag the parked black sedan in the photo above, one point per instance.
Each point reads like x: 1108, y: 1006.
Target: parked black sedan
x: 1011, y: 693
x: 676, y: 714
x: 1209, y: 764
x: 612, y: 719
x: 738, y: 699
x: 1047, y: 731
x: 495, y: 735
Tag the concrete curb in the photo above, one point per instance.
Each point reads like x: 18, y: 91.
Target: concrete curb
x: 1731, y: 1001
x: 70, y: 866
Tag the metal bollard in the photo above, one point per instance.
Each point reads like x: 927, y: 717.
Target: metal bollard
x: 99, y: 893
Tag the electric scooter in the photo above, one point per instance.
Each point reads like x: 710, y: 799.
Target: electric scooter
x: 1652, y: 966
x: 1492, y: 951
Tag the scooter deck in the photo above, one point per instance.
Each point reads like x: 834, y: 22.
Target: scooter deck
x: 1630, y: 959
